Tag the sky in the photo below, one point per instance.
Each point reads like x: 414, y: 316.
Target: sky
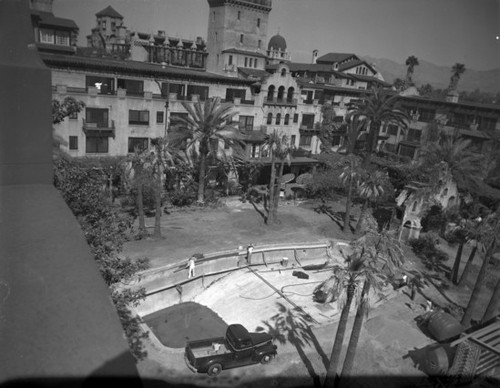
x: 443, y: 32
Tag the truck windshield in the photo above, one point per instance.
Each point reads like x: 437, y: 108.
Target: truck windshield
x: 233, y: 342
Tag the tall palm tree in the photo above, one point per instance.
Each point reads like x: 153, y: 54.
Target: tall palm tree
x: 411, y: 62
x: 279, y: 149
x: 206, y: 124
x: 457, y: 70
x: 346, y: 281
x: 381, y: 106
x: 370, y: 187
x: 384, y: 255
x: 465, y: 165
x: 354, y: 128
x: 348, y: 177
x: 491, y: 236
x: 494, y: 304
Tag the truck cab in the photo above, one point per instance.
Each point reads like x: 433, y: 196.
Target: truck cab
x: 238, y: 348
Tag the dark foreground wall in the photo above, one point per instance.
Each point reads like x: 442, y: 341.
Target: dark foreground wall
x: 57, y: 320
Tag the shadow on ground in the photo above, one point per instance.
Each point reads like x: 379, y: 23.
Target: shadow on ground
x: 183, y: 322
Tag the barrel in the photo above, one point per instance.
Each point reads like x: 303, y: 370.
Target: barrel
x: 443, y: 326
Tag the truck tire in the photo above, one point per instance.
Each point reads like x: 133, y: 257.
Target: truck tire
x: 214, y: 369
x: 266, y: 358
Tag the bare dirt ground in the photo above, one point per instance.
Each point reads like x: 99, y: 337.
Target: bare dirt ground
x: 390, y: 346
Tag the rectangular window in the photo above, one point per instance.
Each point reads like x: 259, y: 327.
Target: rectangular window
x: 104, y: 24
x: 235, y: 93
x: 407, y: 151
x: 103, y: 84
x: 255, y: 63
x: 246, y: 61
x: 305, y: 140
x: 137, y: 143
x: 239, y: 15
x: 255, y: 151
x: 73, y: 142
x: 308, y: 120
x: 46, y: 36
x: 251, y: 62
x: 392, y: 130
x: 246, y: 123
x: 241, y: 38
x: 97, y: 117
x: 258, y: 22
x: 201, y: 91
x: 138, y: 117
x: 160, y: 117
x: 173, y: 88
x: 427, y: 115
x: 259, y: 44
x: 296, y: 118
x: 414, y: 135
x: 134, y: 87
x: 96, y: 144
x: 293, y: 139
x: 230, y: 60
x: 62, y: 38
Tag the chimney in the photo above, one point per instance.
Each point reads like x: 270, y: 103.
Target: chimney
x: 452, y: 96
x: 314, y: 56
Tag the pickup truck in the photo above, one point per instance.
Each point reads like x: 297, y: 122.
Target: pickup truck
x: 237, y: 348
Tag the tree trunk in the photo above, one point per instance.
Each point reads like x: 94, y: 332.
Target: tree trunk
x: 348, y: 206
x: 468, y: 267
x: 272, y: 183
x: 157, y: 232
x: 494, y: 304
x: 456, y: 265
x: 361, y: 216
x: 201, y: 178
x: 277, y: 191
x: 466, y: 320
x: 140, y: 210
x: 339, y: 340
x: 355, y: 333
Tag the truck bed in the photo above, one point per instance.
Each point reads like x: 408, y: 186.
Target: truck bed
x: 209, y: 349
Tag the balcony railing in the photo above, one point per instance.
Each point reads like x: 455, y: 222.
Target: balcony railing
x: 280, y: 101
x: 101, y: 128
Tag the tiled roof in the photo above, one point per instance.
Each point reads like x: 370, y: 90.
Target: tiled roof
x: 351, y: 64
x: 244, y: 52
x: 134, y: 67
x: 109, y: 11
x: 309, y: 67
x: 368, y: 78
x: 470, y: 105
x: 335, y: 57
x: 254, y: 73
x: 48, y: 19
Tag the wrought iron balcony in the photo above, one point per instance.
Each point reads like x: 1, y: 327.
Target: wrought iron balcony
x: 105, y: 128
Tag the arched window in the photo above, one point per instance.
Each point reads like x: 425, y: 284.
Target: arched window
x: 278, y: 119
x: 283, y: 72
x: 281, y: 92
x: 269, y: 118
x: 239, y: 15
x: 287, y: 119
x: 270, y: 93
x: 289, y: 96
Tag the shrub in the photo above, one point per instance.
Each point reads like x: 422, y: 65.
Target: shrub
x: 425, y: 248
x: 182, y: 198
x: 433, y: 219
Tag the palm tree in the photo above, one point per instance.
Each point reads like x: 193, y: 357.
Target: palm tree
x: 457, y: 70
x: 465, y: 165
x: 354, y: 128
x: 384, y: 255
x: 348, y: 177
x: 382, y: 106
x: 493, y: 305
x: 279, y: 150
x: 206, y: 124
x: 490, y: 234
x: 369, y: 188
x: 411, y: 62
x: 345, y: 280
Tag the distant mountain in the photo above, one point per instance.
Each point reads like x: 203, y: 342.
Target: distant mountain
x: 439, y: 76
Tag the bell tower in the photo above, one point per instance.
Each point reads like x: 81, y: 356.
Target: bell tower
x: 237, y: 35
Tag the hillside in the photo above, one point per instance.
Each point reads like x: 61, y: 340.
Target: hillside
x: 439, y: 76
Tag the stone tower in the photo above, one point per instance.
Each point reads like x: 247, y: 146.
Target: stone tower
x: 237, y: 35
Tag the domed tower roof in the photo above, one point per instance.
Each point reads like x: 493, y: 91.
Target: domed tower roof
x: 277, y: 42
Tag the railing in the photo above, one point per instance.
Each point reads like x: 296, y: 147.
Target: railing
x: 280, y: 101
x: 99, y: 129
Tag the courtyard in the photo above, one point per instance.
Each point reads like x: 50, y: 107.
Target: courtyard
x: 391, y: 344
